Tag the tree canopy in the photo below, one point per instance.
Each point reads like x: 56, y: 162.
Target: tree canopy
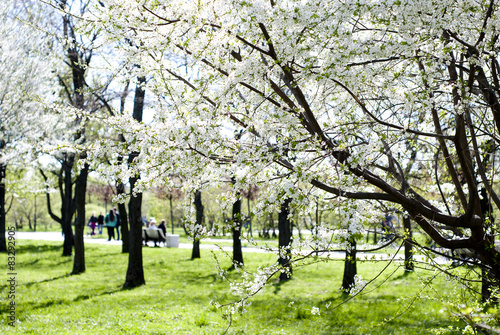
x: 324, y: 97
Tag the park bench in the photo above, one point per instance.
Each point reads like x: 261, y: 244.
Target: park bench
x: 156, y: 235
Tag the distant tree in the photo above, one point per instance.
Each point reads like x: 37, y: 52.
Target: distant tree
x: 165, y: 193
x: 26, y: 75
x: 236, y: 227
x: 102, y: 192
x: 198, y: 225
x: 250, y: 194
x: 285, y: 240
x: 351, y: 90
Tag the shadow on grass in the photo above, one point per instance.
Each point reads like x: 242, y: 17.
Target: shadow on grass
x: 277, y: 285
x: 84, y: 297
x: 212, y: 276
x: 37, y: 282
x: 33, y: 249
x: 55, y: 302
x: 46, y: 280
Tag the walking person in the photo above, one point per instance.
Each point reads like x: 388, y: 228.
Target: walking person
x: 118, y: 223
x: 110, y: 221
x: 100, y: 223
x: 93, y: 223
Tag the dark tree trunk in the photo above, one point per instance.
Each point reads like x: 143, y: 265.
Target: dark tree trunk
x: 199, y: 221
x: 285, y: 240
x: 135, y: 270
x: 236, y: 229
x: 67, y: 202
x: 120, y: 189
x: 487, y: 277
x: 80, y: 192
x: 350, y: 269
x: 196, y: 249
x: 3, y: 244
x: 408, y: 246
x: 67, y: 205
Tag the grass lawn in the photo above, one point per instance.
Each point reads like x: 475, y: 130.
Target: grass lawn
x: 177, y: 295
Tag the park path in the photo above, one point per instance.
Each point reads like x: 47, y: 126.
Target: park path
x: 211, y: 244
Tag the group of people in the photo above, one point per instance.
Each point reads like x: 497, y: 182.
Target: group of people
x: 152, y: 225
x: 111, y: 221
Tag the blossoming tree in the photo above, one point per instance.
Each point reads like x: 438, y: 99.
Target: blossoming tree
x: 25, y: 77
x: 326, y: 97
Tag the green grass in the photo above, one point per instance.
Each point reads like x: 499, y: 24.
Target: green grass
x: 177, y: 296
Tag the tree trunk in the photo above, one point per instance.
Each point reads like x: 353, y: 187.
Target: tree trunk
x: 350, y: 270
x: 199, y: 221
x: 80, y: 192
x: 3, y: 244
x: 120, y: 189
x: 135, y: 270
x: 285, y: 241
x: 408, y: 246
x: 67, y: 204
x: 487, y: 277
x: 236, y: 229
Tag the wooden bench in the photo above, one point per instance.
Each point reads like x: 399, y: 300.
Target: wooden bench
x: 155, y: 235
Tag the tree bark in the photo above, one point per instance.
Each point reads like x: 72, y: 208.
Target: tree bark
x: 67, y: 210
x: 135, y: 270
x: 285, y: 240
x: 199, y: 221
x: 80, y: 192
x: 350, y: 269
x: 236, y: 230
x: 120, y: 189
x: 408, y: 246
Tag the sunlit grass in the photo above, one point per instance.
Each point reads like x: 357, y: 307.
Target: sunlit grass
x: 177, y: 296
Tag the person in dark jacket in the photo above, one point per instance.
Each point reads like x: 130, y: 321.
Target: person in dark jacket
x: 111, y: 221
x: 163, y: 227
x: 100, y: 223
x: 93, y: 223
x: 118, y: 223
